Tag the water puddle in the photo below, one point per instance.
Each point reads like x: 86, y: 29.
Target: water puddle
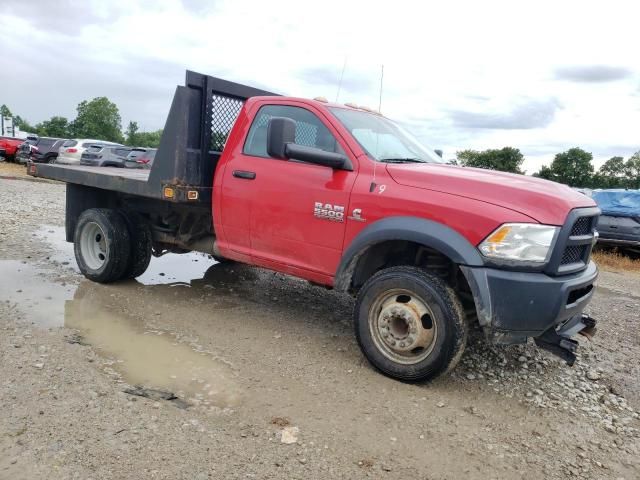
x: 60, y: 252
x: 169, y: 269
x: 176, y: 269
x: 36, y: 296
x: 132, y: 351
x: 153, y: 358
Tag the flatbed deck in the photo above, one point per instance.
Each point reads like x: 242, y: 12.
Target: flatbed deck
x: 124, y: 180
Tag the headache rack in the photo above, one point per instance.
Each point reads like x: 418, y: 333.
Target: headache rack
x: 202, y: 115
x: 573, y: 246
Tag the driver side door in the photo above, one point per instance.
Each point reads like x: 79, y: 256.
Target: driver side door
x: 298, y: 209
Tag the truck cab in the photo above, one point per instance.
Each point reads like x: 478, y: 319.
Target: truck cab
x: 346, y: 198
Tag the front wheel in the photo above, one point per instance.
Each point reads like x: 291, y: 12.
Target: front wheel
x: 409, y: 324
x: 102, y: 245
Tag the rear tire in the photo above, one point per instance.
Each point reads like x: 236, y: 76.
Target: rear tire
x: 141, y: 245
x: 409, y: 324
x: 102, y: 245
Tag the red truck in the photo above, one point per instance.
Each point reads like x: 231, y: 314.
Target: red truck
x: 9, y: 146
x: 345, y: 198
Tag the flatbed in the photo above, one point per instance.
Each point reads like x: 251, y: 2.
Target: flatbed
x: 131, y: 181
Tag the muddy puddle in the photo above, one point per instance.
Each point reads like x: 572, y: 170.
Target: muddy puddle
x: 40, y: 299
x: 132, y: 351
x: 153, y: 358
x: 178, y: 269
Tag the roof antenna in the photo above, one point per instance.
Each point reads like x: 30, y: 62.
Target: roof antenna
x: 344, y: 67
x: 380, y: 100
x: 372, y: 187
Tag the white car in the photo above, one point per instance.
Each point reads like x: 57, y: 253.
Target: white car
x: 71, y: 150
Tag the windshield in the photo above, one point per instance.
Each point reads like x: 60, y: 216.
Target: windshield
x: 625, y: 202
x: 382, y: 139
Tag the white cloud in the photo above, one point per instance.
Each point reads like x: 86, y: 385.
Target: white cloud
x: 541, y: 76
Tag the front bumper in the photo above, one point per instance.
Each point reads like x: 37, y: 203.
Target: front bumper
x: 513, y: 306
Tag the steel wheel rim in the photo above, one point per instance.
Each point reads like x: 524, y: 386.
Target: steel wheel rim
x: 93, y: 246
x: 402, y: 326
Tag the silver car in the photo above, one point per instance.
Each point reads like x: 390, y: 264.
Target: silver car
x: 72, y: 150
x: 105, y: 156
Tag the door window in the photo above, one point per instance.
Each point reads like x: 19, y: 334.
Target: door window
x: 310, y: 131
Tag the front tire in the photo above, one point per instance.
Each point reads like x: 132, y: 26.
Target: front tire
x: 102, y: 245
x: 409, y: 324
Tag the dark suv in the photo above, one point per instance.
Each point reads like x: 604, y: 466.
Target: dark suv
x: 41, y: 150
x: 619, y: 223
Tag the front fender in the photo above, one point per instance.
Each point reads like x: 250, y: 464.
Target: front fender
x: 431, y: 234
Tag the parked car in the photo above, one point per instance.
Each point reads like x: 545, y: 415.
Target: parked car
x: 619, y: 223
x: 10, y: 146
x: 141, y: 158
x: 41, y: 150
x: 71, y: 151
x: 105, y: 156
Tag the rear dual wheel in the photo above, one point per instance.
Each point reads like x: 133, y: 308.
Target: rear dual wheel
x: 110, y: 245
x: 409, y: 324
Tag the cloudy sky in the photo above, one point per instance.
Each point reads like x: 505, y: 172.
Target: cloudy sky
x: 542, y: 76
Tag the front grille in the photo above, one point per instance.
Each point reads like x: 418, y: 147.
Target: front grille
x: 582, y: 226
x: 573, y: 246
x: 572, y: 255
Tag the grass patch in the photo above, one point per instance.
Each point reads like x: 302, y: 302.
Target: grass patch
x: 13, y: 169
x: 614, y: 260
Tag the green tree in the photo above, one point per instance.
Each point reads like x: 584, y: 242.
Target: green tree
x: 545, y: 172
x: 24, y: 125
x: 507, y: 159
x: 611, y: 174
x: 572, y: 168
x: 131, y: 135
x: 54, y: 127
x: 98, y: 118
x: 632, y: 171
x: 4, y: 111
x: 148, y: 139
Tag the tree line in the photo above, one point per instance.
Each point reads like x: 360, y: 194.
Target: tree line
x: 100, y: 119
x: 573, y: 167
x: 97, y: 119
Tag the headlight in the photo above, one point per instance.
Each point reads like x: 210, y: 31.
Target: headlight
x: 524, y: 242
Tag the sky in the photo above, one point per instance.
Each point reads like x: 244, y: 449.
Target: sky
x: 541, y: 76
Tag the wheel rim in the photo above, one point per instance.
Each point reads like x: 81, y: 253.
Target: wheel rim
x: 402, y: 326
x: 93, y: 246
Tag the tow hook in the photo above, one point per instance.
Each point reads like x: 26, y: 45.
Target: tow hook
x: 560, y: 343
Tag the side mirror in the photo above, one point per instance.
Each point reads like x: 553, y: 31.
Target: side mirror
x: 280, y: 132
x: 281, y: 136
x: 438, y: 152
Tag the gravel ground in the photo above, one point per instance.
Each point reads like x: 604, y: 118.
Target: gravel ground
x: 270, y: 382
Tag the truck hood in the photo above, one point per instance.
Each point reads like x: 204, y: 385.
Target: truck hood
x: 544, y: 201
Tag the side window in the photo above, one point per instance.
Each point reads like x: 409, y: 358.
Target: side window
x: 310, y: 131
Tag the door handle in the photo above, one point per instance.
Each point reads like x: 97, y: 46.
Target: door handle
x: 244, y: 174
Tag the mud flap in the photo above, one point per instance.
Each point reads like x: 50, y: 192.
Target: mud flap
x: 559, y: 341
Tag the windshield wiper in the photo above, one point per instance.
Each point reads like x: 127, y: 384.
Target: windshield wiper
x: 402, y: 160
